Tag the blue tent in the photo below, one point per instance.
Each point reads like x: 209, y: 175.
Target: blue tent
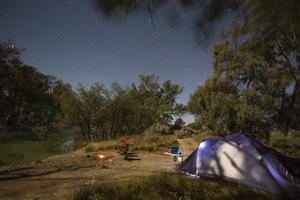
x: 241, y: 159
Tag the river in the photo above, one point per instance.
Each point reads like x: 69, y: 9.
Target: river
x: 20, y: 146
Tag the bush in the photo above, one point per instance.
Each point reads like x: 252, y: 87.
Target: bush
x: 288, y: 145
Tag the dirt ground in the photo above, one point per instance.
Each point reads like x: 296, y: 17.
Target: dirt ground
x: 57, y: 177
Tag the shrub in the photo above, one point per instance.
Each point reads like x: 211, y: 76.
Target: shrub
x: 288, y: 145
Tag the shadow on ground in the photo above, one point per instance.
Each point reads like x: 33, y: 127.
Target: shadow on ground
x: 132, y: 156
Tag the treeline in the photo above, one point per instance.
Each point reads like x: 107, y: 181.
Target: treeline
x: 102, y: 113
x: 25, y: 94
x: 34, y: 99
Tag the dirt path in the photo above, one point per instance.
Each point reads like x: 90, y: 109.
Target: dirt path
x: 57, y: 177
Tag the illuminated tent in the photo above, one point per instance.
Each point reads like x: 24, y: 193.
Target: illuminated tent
x: 241, y: 159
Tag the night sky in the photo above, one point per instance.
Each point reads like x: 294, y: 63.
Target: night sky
x: 74, y: 42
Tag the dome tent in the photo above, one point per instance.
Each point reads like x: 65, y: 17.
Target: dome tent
x: 241, y: 159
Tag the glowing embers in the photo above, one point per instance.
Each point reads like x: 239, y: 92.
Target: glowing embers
x: 102, y: 156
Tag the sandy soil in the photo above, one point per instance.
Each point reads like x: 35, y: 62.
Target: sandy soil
x: 57, y: 177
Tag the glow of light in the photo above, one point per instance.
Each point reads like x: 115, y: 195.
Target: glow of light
x: 102, y: 156
x: 202, y: 145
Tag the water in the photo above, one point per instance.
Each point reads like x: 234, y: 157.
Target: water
x: 20, y: 146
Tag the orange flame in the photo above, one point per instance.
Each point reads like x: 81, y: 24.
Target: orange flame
x: 102, y: 156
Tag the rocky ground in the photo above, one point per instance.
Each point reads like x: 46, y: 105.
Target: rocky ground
x: 59, y: 176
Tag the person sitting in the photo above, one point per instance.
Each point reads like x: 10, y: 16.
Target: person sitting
x: 122, y: 150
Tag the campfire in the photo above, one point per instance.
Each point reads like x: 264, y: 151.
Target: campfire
x: 102, y: 156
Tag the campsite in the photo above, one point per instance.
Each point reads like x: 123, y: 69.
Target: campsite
x: 69, y: 176
x: 149, y: 99
x: 58, y: 176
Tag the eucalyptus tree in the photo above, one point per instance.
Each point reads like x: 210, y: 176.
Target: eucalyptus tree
x: 160, y: 101
x: 139, y: 112
x: 168, y: 106
x: 214, y: 105
x: 24, y: 95
x: 132, y: 109
x: 261, y: 56
x: 84, y: 108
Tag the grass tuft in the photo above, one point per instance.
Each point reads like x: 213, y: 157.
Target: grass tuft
x: 167, y: 186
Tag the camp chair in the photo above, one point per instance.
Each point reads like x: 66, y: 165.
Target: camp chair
x: 176, y: 152
x: 122, y: 150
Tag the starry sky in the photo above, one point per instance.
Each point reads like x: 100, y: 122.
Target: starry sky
x: 73, y: 41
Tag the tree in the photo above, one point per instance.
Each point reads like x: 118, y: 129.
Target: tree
x: 214, y: 106
x: 178, y: 124
x: 102, y: 113
x: 253, y: 113
x: 9, y: 54
x: 25, y: 93
x: 160, y: 101
x: 64, y: 98
x: 261, y: 54
x: 168, y: 98
x: 88, y: 108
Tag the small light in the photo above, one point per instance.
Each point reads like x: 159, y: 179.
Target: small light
x: 202, y: 145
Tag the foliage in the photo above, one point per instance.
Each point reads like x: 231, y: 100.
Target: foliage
x: 287, y: 145
x: 32, y: 98
x: 214, y: 105
x: 178, y: 124
x: 208, y: 12
x: 167, y: 186
x: 260, y: 59
x: 103, y: 114
x: 258, y: 62
x: 25, y: 93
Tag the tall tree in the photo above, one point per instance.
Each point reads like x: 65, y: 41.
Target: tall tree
x: 88, y: 107
x: 262, y: 53
x: 214, y: 105
x: 9, y: 55
x: 160, y: 101
x: 25, y: 93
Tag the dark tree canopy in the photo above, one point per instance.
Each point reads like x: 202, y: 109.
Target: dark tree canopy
x: 207, y: 12
x: 260, y: 57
